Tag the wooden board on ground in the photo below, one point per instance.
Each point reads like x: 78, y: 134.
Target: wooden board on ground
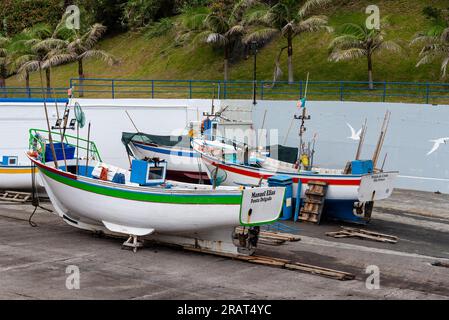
x: 283, y: 263
x: 348, y: 232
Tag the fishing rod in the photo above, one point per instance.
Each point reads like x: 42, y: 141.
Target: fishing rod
x: 50, y: 138
x: 61, y: 132
x: 88, y: 147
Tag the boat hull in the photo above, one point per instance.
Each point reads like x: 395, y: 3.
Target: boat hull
x: 15, y: 178
x: 339, y: 188
x: 106, y: 205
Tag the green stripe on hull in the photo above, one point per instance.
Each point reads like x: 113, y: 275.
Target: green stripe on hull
x: 146, y: 197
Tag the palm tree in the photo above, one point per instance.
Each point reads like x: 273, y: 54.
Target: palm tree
x: 81, y: 47
x: 4, y: 60
x: 288, y: 18
x: 22, y: 48
x: 218, y: 26
x: 41, y: 45
x: 435, y: 46
x: 358, y: 41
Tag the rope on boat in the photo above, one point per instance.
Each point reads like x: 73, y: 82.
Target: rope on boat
x: 35, y: 197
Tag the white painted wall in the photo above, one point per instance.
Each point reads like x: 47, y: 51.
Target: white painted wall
x: 407, y: 141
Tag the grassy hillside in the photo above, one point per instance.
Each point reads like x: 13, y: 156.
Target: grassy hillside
x: 158, y: 59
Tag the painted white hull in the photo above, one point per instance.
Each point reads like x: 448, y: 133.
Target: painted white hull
x: 14, y: 178
x: 184, y: 214
x: 334, y: 192
x: 340, y: 187
x: 162, y: 217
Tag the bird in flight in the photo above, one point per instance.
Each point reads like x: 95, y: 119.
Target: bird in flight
x: 354, y: 135
x: 436, y: 144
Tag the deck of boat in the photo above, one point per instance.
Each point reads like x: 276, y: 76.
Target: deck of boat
x: 35, y: 258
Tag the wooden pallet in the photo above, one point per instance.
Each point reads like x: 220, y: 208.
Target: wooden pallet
x: 347, y: 232
x: 313, y: 202
x: 14, y: 196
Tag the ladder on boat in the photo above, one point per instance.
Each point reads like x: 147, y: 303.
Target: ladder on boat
x: 14, y: 196
x: 313, y: 202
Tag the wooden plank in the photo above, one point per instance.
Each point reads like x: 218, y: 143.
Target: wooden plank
x: 370, y: 232
x: 357, y: 233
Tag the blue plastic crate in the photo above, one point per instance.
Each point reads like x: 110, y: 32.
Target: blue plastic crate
x: 69, y: 151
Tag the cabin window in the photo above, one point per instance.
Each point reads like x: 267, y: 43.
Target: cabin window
x: 12, y: 161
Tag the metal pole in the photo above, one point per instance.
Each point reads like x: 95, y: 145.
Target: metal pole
x: 88, y: 147
x: 50, y: 138
x: 254, y: 47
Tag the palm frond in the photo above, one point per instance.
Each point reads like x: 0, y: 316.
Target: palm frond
x: 58, y: 59
x: 235, y: 30
x: 348, y: 54
x: 421, y: 38
x: 50, y: 44
x: 312, y: 24
x: 444, y: 67
x: 445, y: 36
x: 260, y: 34
x: 426, y: 58
x: 389, y: 45
x: 356, y: 30
x: 217, y: 39
x: 346, y: 42
x: 28, y: 67
x: 101, y: 55
x: 91, y: 38
x: 309, y: 5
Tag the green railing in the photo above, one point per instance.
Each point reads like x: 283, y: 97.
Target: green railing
x: 413, y: 92
x: 38, y: 140
x: 410, y: 92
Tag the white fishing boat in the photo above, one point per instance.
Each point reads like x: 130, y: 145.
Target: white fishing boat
x: 92, y: 195
x: 347, y: 192
x: 14, y: 175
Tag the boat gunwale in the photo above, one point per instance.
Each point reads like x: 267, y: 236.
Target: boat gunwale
x: 190, y: 197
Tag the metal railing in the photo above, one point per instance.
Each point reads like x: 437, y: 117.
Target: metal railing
x: 435, y: 93
x: 31, y: 93
x: 411, y: 92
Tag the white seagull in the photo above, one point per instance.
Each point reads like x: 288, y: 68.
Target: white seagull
x: 354, y: 135
x: 436, y: 144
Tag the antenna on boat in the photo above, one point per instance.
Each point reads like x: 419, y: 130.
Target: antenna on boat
x: 88, y: 147
x: 303, y: 156
x: 135, y: 127
x: 381, y: 140
x: 50, y: 138
x: 361, y: 140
